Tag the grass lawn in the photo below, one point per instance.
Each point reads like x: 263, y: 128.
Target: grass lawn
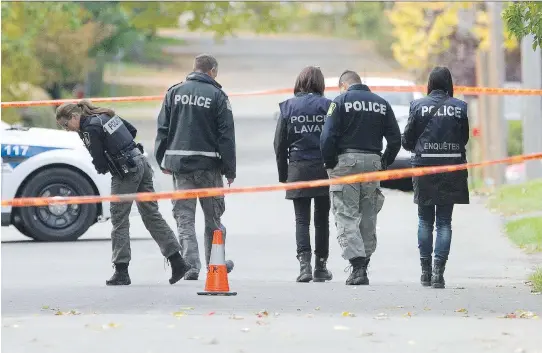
x: 526, y: 233
x: 516, y: 199
x: 536, y: 279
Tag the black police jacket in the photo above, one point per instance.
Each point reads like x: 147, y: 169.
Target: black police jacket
x: 297, y: 136
x: 104, y: 133
x: 359, y: 119
x: 195, y: 128
x: 438, y: 140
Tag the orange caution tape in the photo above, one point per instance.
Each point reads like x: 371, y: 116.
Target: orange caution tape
x: 458, y: 89
x: 209, y: 192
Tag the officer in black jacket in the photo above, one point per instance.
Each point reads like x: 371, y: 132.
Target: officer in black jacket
x: 196, y: 143
x: 351, y: 143
x: 110, y: 141
x: 437, y: 132
x: 297, y: 149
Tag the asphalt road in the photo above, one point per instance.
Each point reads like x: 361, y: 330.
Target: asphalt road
x: 394, y: 314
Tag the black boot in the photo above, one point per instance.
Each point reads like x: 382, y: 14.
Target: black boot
x: 425, y: 278
x: 321, y: 273
x: 179, y: 267
x: 120, y: 277
x: 359, y: 272
x: 305, y: 268
x: 437, y: 280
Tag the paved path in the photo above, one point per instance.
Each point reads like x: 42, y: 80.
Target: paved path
x: 394, y: 314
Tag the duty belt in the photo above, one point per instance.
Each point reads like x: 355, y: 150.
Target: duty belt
x: 353, y: 150
x: 130, y: 153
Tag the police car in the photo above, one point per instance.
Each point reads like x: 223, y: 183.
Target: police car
x: 40, y: 162
x: 400, y: 103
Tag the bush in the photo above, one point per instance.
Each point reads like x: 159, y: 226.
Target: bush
x: 515, y: 137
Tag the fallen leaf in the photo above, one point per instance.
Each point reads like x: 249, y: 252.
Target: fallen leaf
x: 58, y: 313
x: 179, y: 314
x: 341, y: 328
x: 462, y: 310
x: 262, y: 313
x: 187, y: 308
x: 346, y: 313
x: 211, y: 313
x: 74, y: 312
x: 527, y: 314
x: 400, y: 306
x: 110, y: 325
x: 45, y: 307
x: 508, y: 316
x: 427, y: 309
x: 408, y: 314
x: 317, y: 308
x: 366, y: 334
x: 381, y: 316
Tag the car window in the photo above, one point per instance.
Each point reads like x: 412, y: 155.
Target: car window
x: 394, y: 98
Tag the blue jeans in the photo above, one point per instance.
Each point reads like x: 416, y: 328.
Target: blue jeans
x: 426, y: 219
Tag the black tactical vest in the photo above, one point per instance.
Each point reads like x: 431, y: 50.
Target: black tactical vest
x: 305, y: 115
x: 117, y: 136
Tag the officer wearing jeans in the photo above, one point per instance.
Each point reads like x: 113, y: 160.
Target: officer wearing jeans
x: 351, y: 143
x: 437, y: 132
x: 196, y: 143
x: 110, y: 141
x: 297, y: 149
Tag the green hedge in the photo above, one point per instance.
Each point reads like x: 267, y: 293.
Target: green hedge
x: 515, y: 137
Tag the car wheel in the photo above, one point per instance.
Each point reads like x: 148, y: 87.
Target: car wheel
x: 20, y: 227
x: 57, y: 222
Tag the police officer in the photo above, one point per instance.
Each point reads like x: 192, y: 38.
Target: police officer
x: 110, y: 141
x: 351, y: 143
x: 437, y: 132
x: 297, y: 149
x: 196, y: 143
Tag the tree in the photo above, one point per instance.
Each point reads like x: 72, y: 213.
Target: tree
x: 429, y: 34
x: 55, y: 44
x: 524, y: 18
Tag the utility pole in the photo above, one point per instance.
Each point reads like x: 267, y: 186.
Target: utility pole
x: 482, y: 113
x: 531, y: 75
x: 496, y: 74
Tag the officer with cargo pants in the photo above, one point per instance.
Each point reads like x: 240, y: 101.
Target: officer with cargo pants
x: 110, y: 141
x: 351, y: 143
x: 196, y: 143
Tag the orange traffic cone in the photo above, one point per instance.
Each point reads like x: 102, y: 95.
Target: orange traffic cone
x: 217, y: 273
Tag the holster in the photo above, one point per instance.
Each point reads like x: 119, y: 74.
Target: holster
x: 120, y: 165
